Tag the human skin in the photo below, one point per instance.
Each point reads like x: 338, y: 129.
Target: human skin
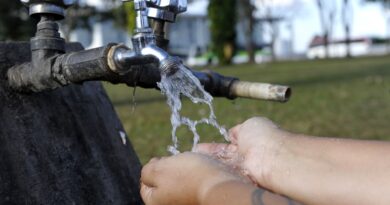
x: 195, y: 179
x: 312, y: 170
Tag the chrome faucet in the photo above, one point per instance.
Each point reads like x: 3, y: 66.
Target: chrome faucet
x: 144, y: 40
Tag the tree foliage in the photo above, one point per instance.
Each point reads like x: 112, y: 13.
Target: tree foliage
x: 327, y: 10
x: 14, y: 21
x: 246, y: 11
x: 15, y: 24
x: 222, y: 15
x: 125, y: 16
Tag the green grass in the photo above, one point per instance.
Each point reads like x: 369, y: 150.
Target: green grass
x: 339, y: 98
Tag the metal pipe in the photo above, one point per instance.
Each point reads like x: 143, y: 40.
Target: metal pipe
x: 77, y: 67
x: 261, y: 91
x: 159, y: 32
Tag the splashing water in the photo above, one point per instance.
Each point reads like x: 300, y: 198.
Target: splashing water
x: 184, y: 83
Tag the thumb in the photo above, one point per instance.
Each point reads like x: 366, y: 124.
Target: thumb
x: 147, y: 194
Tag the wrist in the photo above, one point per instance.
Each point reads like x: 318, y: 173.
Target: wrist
x: 228, y: 192
x: 209, y: 185
x: 265, y: 158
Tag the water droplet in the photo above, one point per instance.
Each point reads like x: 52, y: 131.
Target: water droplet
x: 134, y: 103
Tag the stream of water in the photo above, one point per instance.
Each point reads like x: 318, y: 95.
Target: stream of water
x: 184, y: 83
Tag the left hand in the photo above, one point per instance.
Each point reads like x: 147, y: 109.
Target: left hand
x: 184, y: 179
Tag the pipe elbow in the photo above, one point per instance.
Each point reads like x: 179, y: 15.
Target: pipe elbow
x: 156, y: 52
x: 121, y: 59
x: 168, y: 65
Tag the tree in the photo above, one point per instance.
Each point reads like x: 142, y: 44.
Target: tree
x: 15, y: 24
x: 327, y: 11
x: 273, y: 13
x: 80, y: 16
x: 14, y: 21
x: 222, y: 15
x: 246, y: 11
x: 77, y: 16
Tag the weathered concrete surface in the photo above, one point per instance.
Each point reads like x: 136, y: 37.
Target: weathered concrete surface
x: 62, y: 146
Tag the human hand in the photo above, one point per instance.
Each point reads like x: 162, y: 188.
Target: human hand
x: 184, y: 179
x: 253, y: 148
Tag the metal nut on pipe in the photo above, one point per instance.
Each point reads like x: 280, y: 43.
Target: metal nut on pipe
x: 261, y: 91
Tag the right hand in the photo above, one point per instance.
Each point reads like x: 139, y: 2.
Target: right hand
x: 254, y: 146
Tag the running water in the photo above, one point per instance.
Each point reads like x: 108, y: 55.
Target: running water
x: 184, y: 83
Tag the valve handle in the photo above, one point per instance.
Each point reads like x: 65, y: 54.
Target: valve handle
x: 55, y: 8
x: 165, y: 10
x: 62, y: 3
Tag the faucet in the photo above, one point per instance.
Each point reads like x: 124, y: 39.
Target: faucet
x: 144, y: 40
x: 51, y: 67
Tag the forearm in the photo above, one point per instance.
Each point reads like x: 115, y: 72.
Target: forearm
x: 233, y: 193
x: 332, y: 171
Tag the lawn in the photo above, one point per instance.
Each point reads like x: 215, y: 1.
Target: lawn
x: 339, y: 98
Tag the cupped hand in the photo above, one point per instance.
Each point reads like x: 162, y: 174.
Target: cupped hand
x: 253, y: 146
x: 184, y: 179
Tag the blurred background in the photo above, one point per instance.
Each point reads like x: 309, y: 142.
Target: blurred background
x: 333, y: 53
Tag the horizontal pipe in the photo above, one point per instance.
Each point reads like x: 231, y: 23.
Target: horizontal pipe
x: 77, y: 67
x: 260, y: 91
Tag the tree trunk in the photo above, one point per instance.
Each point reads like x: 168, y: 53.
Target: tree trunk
x: 274, y: 35
x: 326, y: 45
x: 62, y: 146
x: 250, y: 44
x: 324, y: 25
x: 347, y: 26
x: 348, y: 41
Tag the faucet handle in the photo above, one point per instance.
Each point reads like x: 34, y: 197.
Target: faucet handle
x: 56, y: 8
x: 175, y: 6
x: 165, y: 10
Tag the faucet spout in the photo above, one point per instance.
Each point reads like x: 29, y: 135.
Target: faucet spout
x: 121, y: 59
x: 168, y: 65
x: 153, y: 50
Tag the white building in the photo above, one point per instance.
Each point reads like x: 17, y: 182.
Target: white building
x: 338, y: 48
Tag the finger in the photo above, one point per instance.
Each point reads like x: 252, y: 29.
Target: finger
x: 149, y: 173
x: 147, y: 194
x: 233, y: 134
x: 223, y: 152
x: 210, y: 149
